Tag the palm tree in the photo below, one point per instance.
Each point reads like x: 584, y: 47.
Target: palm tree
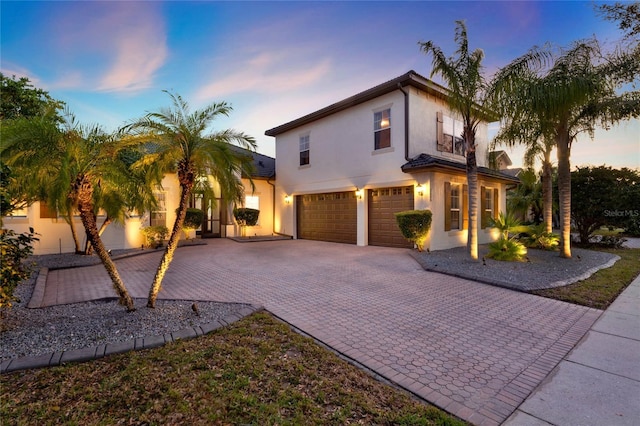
x: 526, y: 197
x: 179, y: 142
x: 80, y: 158
x: 468, y: 96
x: 132, y: 191
x: 573, y: 95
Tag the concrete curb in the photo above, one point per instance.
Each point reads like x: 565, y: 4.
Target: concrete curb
x: 37, y: 298
x: 103, y: 350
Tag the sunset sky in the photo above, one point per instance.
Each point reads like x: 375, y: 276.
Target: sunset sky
x: 274, y: 61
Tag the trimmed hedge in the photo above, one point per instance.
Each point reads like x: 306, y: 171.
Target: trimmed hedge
x: 193, y: 219
x: 246, y: 216
x: 415, y: 225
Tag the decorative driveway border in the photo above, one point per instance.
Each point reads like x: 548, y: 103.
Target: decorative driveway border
x: 100, y: 351
x: 475, y: 350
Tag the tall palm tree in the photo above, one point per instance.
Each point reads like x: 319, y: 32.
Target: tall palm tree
x: 573, y: 95
x: 180, y: 142
x: 80, y: 158
x: 468, y: 97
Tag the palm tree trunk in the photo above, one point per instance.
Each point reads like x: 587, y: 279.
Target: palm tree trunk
x: 472, y: 181
x: 564, y: 193
x: 88, y: 250
x: 547, y: 195
x: 83, y: 193
x: 172, y: 245
x: 74, y: 232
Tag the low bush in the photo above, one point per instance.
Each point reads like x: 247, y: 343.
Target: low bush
x: 415, y: 226
x: 246, y: 216
x: 536, y: 237
x: 155, y: 235
x: 14, y: 249
x: 193, y: 220
x: 507, y: 249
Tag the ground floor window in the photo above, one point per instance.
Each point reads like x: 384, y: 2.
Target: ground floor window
x: 489, y: 205
x: 455, y: 206
x: 158, y: 216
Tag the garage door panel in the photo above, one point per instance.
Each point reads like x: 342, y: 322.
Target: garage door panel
x: 327, y: 217
x: 383, y: 204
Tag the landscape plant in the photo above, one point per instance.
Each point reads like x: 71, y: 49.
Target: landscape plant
x: 571, y: 91
x: 14, y: 250
x: 192, y: 220
x: 603, y: 196
x: 154, y: 235
x: 415, y: 226
x: 537, y: 237
x: 179, y: 141
x: 246, y: 216
x: 468, y: 96
x: 68, y: 163
x: 507, y: 247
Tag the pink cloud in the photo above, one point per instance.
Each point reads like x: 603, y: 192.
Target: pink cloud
x: 264, y: 74
x: 125, y: 42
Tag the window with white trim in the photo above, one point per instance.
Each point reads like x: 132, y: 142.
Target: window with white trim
x: 449, y: 137
x: 455, y: 207
x: 158, y: 217
x: 382, y: 129
x: 304, y: 150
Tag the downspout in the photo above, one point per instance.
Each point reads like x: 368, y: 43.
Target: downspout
x: 406, y: 122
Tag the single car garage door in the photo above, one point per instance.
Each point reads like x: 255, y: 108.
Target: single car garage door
x: 383, y: 203
x: 328, y: 217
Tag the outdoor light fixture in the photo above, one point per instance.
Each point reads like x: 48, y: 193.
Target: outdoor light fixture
x: 420, y: 190
x: 287, y: 199
x: 359, y: 193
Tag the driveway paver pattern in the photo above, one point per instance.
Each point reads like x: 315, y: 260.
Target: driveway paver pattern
x: 474, y: 350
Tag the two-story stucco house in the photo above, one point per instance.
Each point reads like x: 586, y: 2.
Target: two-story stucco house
x: 343, y: 170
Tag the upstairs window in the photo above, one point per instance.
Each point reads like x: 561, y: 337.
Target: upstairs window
x: 158, y: 216
x: 304, y: 150
x: 450, y: 135
x: 382, y: 129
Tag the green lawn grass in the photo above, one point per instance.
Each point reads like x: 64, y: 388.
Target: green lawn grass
x: 602, y: 288
x: 256, y: 371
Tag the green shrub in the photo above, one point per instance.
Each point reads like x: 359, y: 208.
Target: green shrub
x: 155, y: 235
x: 507, y: 249
x: 14, y: 249
x: 193, y: 220
x: 507, y: 224
x: 537, y: 237
x: 246, y: 216
x: 415, y: 225
x: 632, y: 227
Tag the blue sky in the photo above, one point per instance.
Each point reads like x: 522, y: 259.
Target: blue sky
x: 273, y: 61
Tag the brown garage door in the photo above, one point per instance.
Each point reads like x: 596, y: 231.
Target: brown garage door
x: 328, y: 217
x: 383, y: 203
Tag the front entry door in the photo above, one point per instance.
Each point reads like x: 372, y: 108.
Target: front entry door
x: 214, y: 216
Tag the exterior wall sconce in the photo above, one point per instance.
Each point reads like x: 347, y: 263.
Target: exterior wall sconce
x: 420, y: 190
x: 287, y: 199
x: 359, y: 193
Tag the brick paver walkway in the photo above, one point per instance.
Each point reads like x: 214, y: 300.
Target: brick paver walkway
x: 475, y: 350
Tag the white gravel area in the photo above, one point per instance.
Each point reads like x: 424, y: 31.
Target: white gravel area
x: 31, y: 332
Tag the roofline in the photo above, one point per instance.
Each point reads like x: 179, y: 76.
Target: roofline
x: 459, y: 168
x: 410, y: 78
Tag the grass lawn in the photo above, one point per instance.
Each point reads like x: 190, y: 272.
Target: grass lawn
x: 256, y: 371
x: 602, y: 288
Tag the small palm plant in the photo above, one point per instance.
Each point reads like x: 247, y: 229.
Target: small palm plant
x: 507, y: 247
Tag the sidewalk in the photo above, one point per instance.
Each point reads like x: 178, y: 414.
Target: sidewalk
x: 598, y: 383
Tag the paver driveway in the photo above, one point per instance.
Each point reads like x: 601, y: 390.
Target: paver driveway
x: 473, y: 349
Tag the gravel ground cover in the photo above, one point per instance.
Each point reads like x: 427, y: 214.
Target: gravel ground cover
x: 542, y: 269
x: 31, y: 332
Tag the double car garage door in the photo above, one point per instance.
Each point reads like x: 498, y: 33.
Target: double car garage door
x: 333, y: 216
